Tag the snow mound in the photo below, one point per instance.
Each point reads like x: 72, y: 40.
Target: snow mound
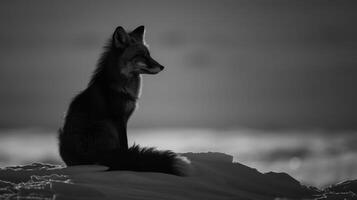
x: 213, y: 176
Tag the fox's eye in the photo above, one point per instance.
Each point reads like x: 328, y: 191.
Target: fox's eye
x: 141, y: 64
x: 140, y: 61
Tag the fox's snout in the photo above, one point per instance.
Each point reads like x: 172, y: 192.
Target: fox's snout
x: 160, y: 68
x: 150, y: 67
x: 153, y: 64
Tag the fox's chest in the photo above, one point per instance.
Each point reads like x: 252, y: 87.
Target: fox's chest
x: 122, y: 108
x: 125, y: 96
x: 133, y: 87
x: 129, y: 107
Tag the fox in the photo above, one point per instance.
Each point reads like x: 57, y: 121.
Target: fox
x: 95, y: 126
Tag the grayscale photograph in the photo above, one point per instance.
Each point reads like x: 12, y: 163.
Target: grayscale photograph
x: 178, y: 100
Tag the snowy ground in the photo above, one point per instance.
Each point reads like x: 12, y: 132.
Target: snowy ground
x: 212, y: 176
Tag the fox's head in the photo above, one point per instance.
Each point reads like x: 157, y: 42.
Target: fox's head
x: 134, y: 57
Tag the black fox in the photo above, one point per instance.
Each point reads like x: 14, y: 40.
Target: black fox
x: 95, y: 128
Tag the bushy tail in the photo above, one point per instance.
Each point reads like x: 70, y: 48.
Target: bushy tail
x: 137, y: 158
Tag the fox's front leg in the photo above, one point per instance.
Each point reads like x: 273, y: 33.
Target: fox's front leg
x: 122, y: 136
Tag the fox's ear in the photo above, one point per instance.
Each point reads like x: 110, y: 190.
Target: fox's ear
x: 139, y: 34
x: 120, y: 37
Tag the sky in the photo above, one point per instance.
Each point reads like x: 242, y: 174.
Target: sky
x: 229, y: 64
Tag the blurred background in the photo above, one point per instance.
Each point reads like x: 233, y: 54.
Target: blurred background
x: 272, y: 83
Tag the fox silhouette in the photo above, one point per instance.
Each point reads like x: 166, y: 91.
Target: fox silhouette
x: 95, y: 126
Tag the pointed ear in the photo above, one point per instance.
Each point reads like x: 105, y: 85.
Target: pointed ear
x: 120, y: 37
x: 139, y: 34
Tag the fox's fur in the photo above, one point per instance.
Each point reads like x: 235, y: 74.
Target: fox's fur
x: 95, y: 128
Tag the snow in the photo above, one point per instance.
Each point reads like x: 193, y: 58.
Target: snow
x: 211, y: 176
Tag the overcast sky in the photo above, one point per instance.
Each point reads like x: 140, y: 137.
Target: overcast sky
x: 258, y: 64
